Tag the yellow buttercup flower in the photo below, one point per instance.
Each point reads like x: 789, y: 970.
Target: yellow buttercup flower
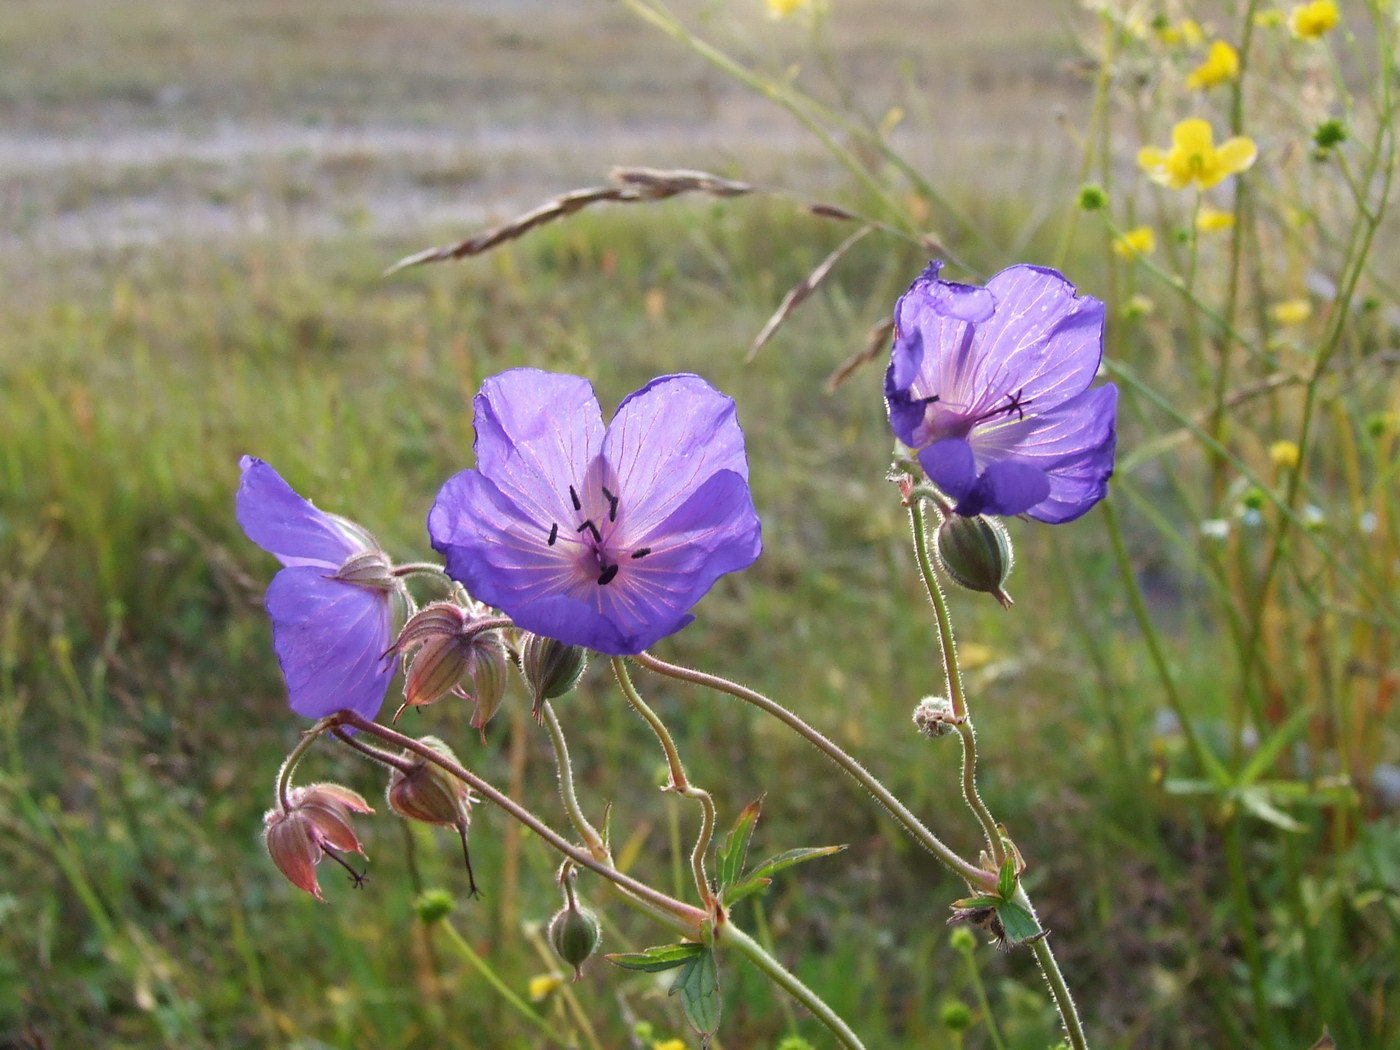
x: 540, y: 987
x: 1312, y: 21
x: 1284, y: 455
x: 783, y: 8
x: 1138, y: 241
x: 1222, y: 64
x: 1291, y: 311
x: 669, y: 1044
x: 1193, y: 158
x: 1212, y: 220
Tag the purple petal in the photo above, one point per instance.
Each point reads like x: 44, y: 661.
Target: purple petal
x: 1075, y: 448
x: 287, y: 526
x: 950, y: 465
x: 1006, y: 488
x: 330, y: 638
x: 667, y: 440
x: 536, y: 433
x: 1044, y: 342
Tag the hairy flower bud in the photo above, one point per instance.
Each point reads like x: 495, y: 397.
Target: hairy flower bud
x: 934, y: 716
x: 453, y: 652
x: 368, y: 569
x: 315, y: 823
x: 428, y: 793
x: 976, y: 554
x: 574, y: 932
x: 551, y: 668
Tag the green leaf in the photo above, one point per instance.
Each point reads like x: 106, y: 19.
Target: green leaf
x: 1268, y: 751
x: 698, y: 985
x: 1256, y: 801
x: 1006, y: 877
x: 655, y: 960
x: 1019, y: 924
x: 980, y: 901
x: 773, y: 865
x: 735, y: 892
x: 729, y: 858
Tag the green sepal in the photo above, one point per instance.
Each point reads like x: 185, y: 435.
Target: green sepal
x: 787, y: 859
x: 980, y: 901
x: 1006, y: 877
x: 698, y: 985
x: 1019, y: 924
x: 729, y: 858
x: 737, y: 891
x: 655, y: 960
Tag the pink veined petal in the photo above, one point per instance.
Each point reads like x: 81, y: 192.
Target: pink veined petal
x: 284, y: 524
x: 667, y: 440
x: 536, y: 433
x: 330, y: 638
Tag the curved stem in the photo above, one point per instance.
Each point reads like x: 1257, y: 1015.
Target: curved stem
x: 384, y: 758
x: 956, y: 695
x: 917, y: 830
x: 565, y: 771
x: 679, y: 783
x: 421, y: 568
x: 289, y: 765
x: 733, y: 937
x: 666, y: 909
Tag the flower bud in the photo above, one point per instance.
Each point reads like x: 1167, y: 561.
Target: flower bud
x: 934, y: 716
x: 956, y: 1015
x: 551, y: 668
x: 976, y: 554
x: 574, y: 932
x: 453, y: 652
x: 433, y: 905
x: 368, y: 569
x: 315, y: 823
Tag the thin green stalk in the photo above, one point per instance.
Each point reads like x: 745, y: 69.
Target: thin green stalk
x: 680, y: 784
x: 973, y: 875
x: 975, y: 977
x: 564, y: 768
x: 494, y: 979
x: 956, y: 695
x: 1244, y: 922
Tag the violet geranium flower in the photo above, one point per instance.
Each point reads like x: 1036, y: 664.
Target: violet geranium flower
x: 334, y: 604
x: 597, y: 536
x: 990, y: 387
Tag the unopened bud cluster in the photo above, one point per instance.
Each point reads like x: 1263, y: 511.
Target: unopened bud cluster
x: 453, y: 653
x: 934, y: 716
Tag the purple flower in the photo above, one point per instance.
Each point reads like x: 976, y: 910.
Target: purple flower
x: 990, y: 386
x: 334, y: 604
x: 598, y: 536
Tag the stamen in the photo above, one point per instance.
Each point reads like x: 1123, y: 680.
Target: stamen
x: 574, y: 496
x: 597, y: 536
x: 553, y: 533
x: 606, y: 576
x: 1016, y: 404
x: 926, y: 400
x: 641, y: 552
x: 612, y: 503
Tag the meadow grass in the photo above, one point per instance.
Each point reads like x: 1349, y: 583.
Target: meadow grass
x: 144, y: 718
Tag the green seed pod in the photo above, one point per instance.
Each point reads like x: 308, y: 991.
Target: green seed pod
x: 433, y: 905
x: 955, y: 1015
x: 976, y: 554
x: 551, y: 668
x: 574, y: 932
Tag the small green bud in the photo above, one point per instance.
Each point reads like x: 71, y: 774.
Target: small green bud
x: 963, y: 940
x: 795, y: 1042
x: 976, y: 554
x: 1253, y: 499
x: 551, y: 668
x: 1330, y: 134
x: 956, y: 1015
x: 575, y: 932
x: 433, y: 905
x: 1092, y: 197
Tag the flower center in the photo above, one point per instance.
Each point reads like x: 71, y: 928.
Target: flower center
x: 595, y: 533
x: 944, y: 419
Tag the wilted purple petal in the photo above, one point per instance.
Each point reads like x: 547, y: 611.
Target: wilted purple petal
x: 285, y: 525
x: 996, y: 404
x: 330, y: 638
x: 604, y: 541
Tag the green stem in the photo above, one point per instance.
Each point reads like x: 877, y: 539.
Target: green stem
x: 975, y: 977
x: 284, y: 775
x: 733, y: 937
x: 974, y: 876
x: 494, y: 979
x: 421, y: 568
x: 665, y: 909
x: 1050, y: 969
x: 565, y: 771
x: 679, y: 783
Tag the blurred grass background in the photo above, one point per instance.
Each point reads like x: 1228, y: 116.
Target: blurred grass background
x: 199, y: 200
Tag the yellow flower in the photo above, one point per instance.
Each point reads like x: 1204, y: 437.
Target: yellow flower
x: 1291, y: 311
x: 540, y: 987
x: 669, y: 1044
x: 1222, y: 64
x: 1311, y: 21
x: 783, y: 8
x: 1212, y: 220
x: 1284, y: 455
x: 1140, y: 240
x: 1188, y: 31
x: 1193, y: 159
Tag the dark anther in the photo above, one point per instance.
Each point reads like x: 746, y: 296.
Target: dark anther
x: 641, y: 552
x: 574, y: 496
x: 606, y: 576
x: 597, y: 536
x: 1016, y: 404
x: 926, y: 400
x: 553, y: 533
x: 612, y: 504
